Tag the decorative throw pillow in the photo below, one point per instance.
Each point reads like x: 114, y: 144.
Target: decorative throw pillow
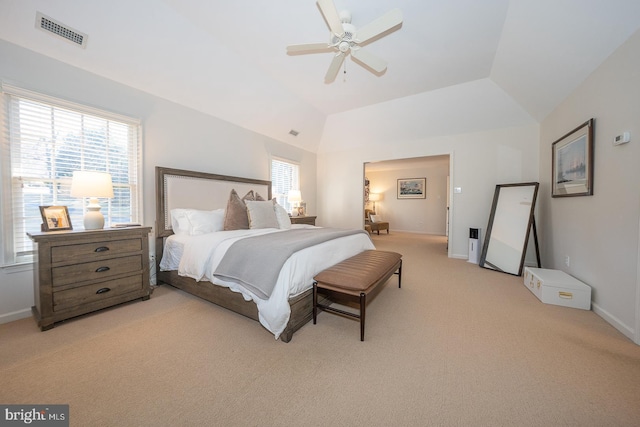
x: 249, y: 196
x: 375, y: 218
x: 261, y: 214
x: 284, y: 222
x: 235, y: 217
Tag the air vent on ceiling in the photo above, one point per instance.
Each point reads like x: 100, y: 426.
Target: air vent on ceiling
x: 51, y: 26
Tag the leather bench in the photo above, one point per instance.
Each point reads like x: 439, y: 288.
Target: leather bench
x: 353, y: 279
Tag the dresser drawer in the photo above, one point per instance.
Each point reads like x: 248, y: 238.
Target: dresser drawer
x: 96, y: 292
x: 95, y: 270
x: 87, y: 251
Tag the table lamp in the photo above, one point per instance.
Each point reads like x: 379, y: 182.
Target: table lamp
x: 294, y: 197
x: 375, y: 197
x: 93, y: 185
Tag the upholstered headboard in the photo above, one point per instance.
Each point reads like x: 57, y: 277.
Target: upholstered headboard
x: 177, y: 188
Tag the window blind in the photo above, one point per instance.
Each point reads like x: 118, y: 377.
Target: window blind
x: 43, y: 141
x: 285, y: 176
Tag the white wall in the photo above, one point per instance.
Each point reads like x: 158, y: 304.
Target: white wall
x: 479, y: 161
x: 428, y: 215
x: 600, y: 233
x: 174, y: 136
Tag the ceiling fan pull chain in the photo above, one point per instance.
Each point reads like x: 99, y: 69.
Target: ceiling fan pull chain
x: 344, y: 73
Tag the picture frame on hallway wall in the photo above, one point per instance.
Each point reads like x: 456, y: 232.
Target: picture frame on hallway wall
x: 412, y: 188
x: 572, y: 162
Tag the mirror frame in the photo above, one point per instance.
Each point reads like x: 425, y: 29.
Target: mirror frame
x: 496, y: 220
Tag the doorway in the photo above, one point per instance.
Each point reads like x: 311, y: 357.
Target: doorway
x: 429, y: 215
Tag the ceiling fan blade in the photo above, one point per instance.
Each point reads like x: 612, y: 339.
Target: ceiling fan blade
x: 370, y: 60
x: 379, y: 26
x: 336, y: 63
x: 308, y: 48
x: 331, y: 16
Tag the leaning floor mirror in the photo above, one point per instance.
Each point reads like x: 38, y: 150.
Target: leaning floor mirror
x: 510, y: 223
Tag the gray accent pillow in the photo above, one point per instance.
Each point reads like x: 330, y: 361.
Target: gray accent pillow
x: 261, y: 214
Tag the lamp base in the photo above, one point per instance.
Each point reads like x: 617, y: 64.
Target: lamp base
x: 93, y: 219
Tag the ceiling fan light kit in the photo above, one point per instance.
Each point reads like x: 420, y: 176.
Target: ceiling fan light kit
x: 346, y: 39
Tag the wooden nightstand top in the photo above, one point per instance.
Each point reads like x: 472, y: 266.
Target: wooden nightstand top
x: 311, y: 220
x: 47, y: 235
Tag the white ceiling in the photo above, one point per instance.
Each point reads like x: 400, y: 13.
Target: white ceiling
x: 228, y: 58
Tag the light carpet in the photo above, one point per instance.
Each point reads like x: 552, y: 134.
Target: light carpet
x: 458, y: 345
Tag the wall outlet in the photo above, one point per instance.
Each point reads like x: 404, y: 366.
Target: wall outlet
x: 567, y: 261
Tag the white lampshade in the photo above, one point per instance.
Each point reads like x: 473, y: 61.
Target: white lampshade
x: 375, y: 197
x: 93, y: 185
x: 294, y: 196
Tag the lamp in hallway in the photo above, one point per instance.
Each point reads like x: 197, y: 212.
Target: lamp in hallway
x: 93, y: 185
x: 375, y: 197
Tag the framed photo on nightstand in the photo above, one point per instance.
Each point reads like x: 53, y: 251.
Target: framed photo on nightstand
x: 55, y: 218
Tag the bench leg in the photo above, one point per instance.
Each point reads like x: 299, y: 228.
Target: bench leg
x: 363, y: 307
x: 315, y: 301
x: 399, y: 273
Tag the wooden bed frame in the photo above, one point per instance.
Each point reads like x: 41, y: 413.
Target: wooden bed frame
x: 177, y: 188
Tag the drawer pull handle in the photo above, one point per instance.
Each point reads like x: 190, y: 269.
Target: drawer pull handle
x: 102, y: 249
x: 567, y: 295
x: 101, y: 269
x: 103, y: 290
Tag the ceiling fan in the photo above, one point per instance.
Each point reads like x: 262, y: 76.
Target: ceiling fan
x: 345, y: 39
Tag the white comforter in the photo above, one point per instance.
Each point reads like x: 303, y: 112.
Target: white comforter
x: 202, y: 254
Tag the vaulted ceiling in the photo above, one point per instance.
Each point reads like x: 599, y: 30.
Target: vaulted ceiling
x: 229, y: 59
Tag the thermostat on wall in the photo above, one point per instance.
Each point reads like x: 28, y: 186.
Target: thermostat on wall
x: 622, y: 139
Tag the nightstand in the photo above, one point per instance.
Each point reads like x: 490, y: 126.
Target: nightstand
x: 77, y: 272
x: 311, y: 220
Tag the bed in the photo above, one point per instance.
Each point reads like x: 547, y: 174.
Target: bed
x: 193, y: 263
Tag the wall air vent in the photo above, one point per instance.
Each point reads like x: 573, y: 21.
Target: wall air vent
x: 51, y: 26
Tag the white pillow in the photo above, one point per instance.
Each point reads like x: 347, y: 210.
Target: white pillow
x: 284, y: 222
x: 179, y: 221
x: 261, y: 214
x: 375, y: 218
x: 194, y: 222
x: 203, y: 222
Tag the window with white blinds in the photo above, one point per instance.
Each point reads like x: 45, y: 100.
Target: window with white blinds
x: 285, y: 176
x: 43, y: 141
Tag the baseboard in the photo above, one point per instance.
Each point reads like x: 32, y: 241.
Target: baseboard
x: 615, y: 322
x: 15, y: 315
